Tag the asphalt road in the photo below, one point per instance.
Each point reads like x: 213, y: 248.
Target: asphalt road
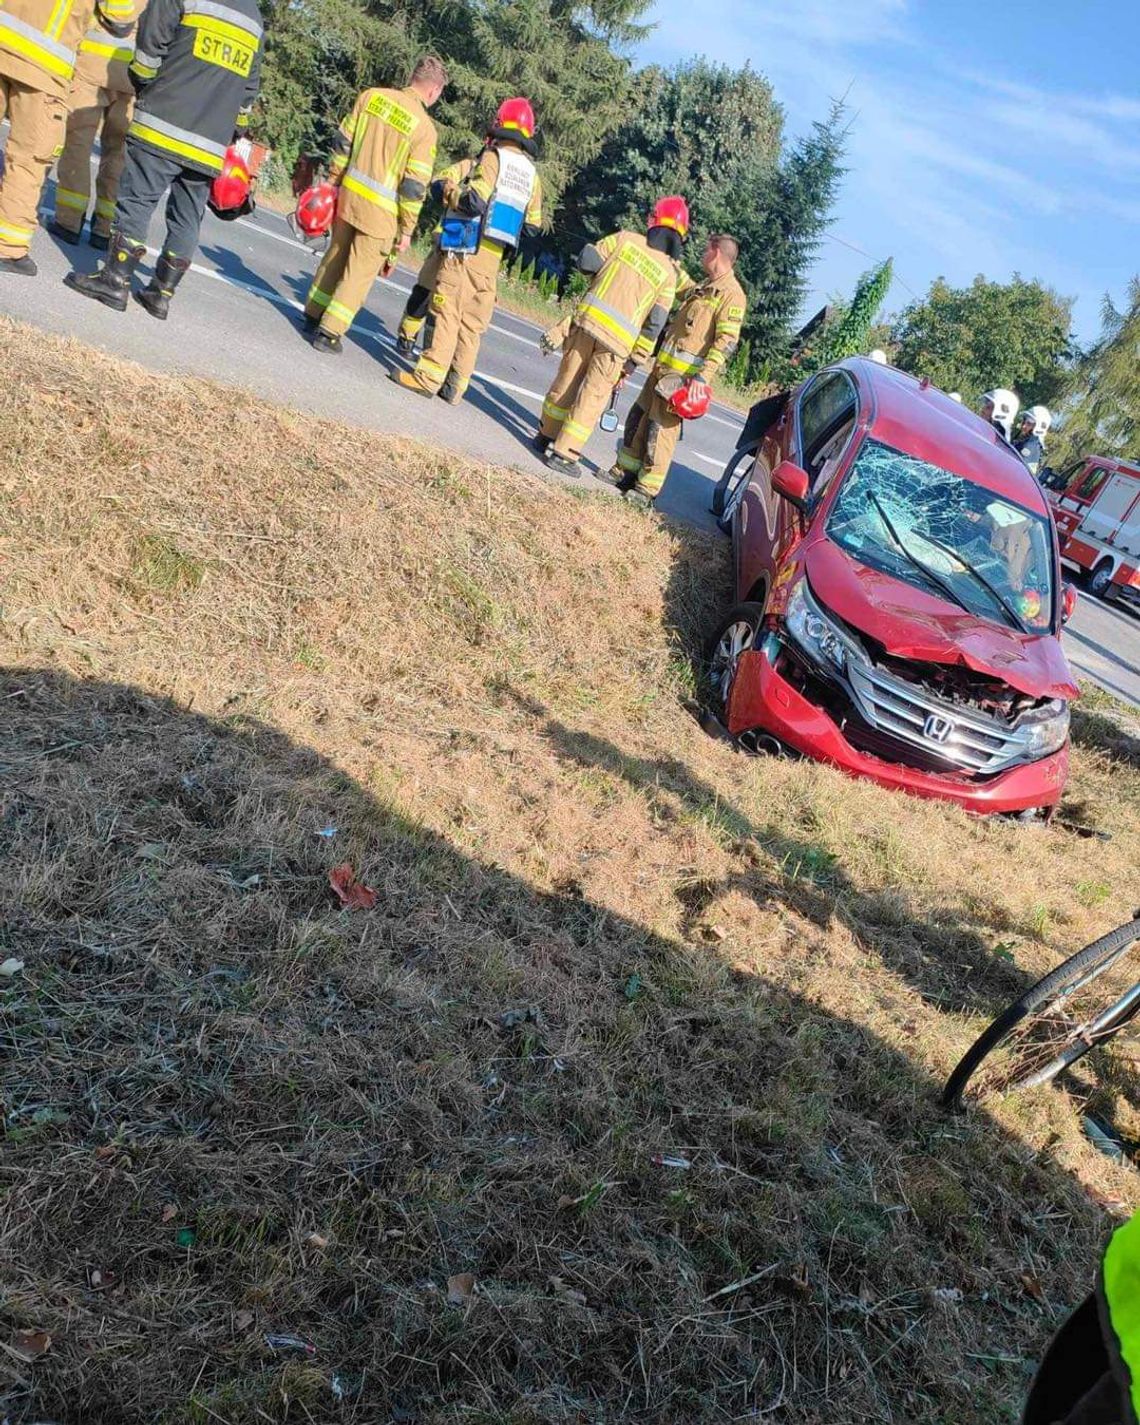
x: 236, y: 320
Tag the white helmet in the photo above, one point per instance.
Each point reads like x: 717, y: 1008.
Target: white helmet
x: 955, y: 396
x: 879, y: 355
x: 1042, y: 419
x: 1005, y: 407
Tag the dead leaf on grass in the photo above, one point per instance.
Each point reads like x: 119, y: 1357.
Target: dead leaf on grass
x: 31, y: 1345
x: 460, y: 1289
x: 11, y: 967
x: 170, y: 1212
x: 1032, y: 1286
x: 315, y: 1239
x: 352, y: 894
x: 243, y: 1320
x: 100, y: 1279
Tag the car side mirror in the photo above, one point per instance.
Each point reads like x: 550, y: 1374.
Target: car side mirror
x: 791, y: 482
x: 1068, y: 602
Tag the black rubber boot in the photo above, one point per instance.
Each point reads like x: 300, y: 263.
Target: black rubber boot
x: 621, y: 480
x: 156, y: 295
x: 563, y: 465
x: 327, y: 344
x: 68, y: 235
x: 111, y: 285
x: 450, y: 392
x: 19, y: 266
x: 541, y: 443
x: 99, y: 241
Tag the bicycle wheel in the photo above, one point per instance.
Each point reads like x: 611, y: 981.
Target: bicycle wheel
x: 1057, y: 1022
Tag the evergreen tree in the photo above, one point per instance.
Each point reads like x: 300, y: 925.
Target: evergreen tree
x: 850, y: 336
x: 1102, y: 417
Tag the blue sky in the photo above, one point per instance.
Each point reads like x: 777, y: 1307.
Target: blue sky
x: 995, y: 138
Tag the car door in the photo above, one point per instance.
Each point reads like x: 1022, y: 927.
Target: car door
x: 756, y: 521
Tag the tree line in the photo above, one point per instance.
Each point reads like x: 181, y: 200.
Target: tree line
x: 616, y: 136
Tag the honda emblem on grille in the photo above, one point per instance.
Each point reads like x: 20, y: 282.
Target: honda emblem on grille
x: 937, y: 729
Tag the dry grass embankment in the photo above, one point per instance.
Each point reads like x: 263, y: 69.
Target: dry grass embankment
x: 232, y: 1110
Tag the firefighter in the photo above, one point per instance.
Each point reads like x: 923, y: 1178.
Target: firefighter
x: 417, y: 309
x: 101, y: 104
x: 698, y: 342
x: 613, y: 329
x: 999, y: 407
x: 383, y: 156
x: 195, y: 71
x: 500, y: 200
x: 1029, y: 436
x: 39, y: 40
x: 1090, y: 1374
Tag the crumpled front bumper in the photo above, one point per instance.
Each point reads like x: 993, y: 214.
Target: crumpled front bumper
x: 762, y: 699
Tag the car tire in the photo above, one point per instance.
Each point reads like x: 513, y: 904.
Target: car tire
x: 1100, y: 580
x: 736, y: 632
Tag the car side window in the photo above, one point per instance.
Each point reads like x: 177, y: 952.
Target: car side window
x: 828, y: 411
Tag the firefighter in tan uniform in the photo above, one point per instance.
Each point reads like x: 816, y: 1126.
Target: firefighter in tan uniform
x: 613, y: 329
x: 698, y: 342
x: 417, y: 309
x: 101, y: 102
x: 39, y: 40
x: 382, y: 161
x: 499, y: 201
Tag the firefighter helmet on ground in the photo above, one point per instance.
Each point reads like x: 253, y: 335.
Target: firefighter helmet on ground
x: 316, y: 208
x: 516, y: 114
x: 672, y: 212
x: 691, y: 400
x: 230, y: 191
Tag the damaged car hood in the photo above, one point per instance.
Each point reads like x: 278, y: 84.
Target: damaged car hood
x: 910, y: 623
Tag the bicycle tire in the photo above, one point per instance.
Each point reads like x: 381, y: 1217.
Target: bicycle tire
x: 1094, y: 957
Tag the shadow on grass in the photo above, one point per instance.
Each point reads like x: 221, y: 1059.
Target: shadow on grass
x: 1107, y: 732
x: 234, y: 1111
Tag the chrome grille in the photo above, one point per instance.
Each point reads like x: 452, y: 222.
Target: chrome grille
x: 964, y: 738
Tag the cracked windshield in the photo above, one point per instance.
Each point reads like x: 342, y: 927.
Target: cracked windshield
x: 947, y: 535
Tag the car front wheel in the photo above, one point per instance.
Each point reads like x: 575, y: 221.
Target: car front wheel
x: 736, y: 633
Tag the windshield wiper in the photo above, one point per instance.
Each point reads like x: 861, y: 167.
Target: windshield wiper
x: 912, y: 558
x: 995, y: 594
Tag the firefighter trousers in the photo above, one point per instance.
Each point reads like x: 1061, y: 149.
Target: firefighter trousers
x: 652, y: 431
x: 462, y: 305
x: 417, y: 309
x: 146, y: 177
x: 102, y: 114
x: 579, y: 392
x: 36, y: 132
x: 351, y: 264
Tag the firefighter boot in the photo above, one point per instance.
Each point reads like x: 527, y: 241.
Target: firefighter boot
x: 156, y: 295
x: 111, y: 285
x: 68, y: 235
x: 450, y: 391
x: 24, y: 266
x: 327, y: 343
x: 621, y: 480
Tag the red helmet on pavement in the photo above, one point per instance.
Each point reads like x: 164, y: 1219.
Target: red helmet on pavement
x: 691, y: 400
x: 518, y: 115
x: 316, y: 208
x: 230, y: 191
x: 671, y: 213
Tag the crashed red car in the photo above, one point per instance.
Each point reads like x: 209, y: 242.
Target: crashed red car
x: 900, y: 599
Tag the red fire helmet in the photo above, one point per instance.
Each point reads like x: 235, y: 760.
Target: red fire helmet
x: 516, y: 114
x: 691, y: 400
x: 671, y: 213
x: 316, y: 208
x: 231, y: 188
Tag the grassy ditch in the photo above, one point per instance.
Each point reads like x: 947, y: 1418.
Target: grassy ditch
x: 617, y: 1103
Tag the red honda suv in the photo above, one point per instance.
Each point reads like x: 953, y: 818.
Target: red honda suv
x: 899, y: 593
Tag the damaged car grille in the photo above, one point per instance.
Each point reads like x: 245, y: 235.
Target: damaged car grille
x: 946, y: 733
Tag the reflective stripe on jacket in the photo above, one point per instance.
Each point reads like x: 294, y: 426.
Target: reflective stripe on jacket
x: 1119, y: 1297
x: 39, y: 39
x: 104, y: 55
x: 629, y: 298
x: 199, y: 62
x: 383, y: 156
x: 706, y: 329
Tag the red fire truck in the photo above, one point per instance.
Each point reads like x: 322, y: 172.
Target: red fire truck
x: 1096, y: 506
